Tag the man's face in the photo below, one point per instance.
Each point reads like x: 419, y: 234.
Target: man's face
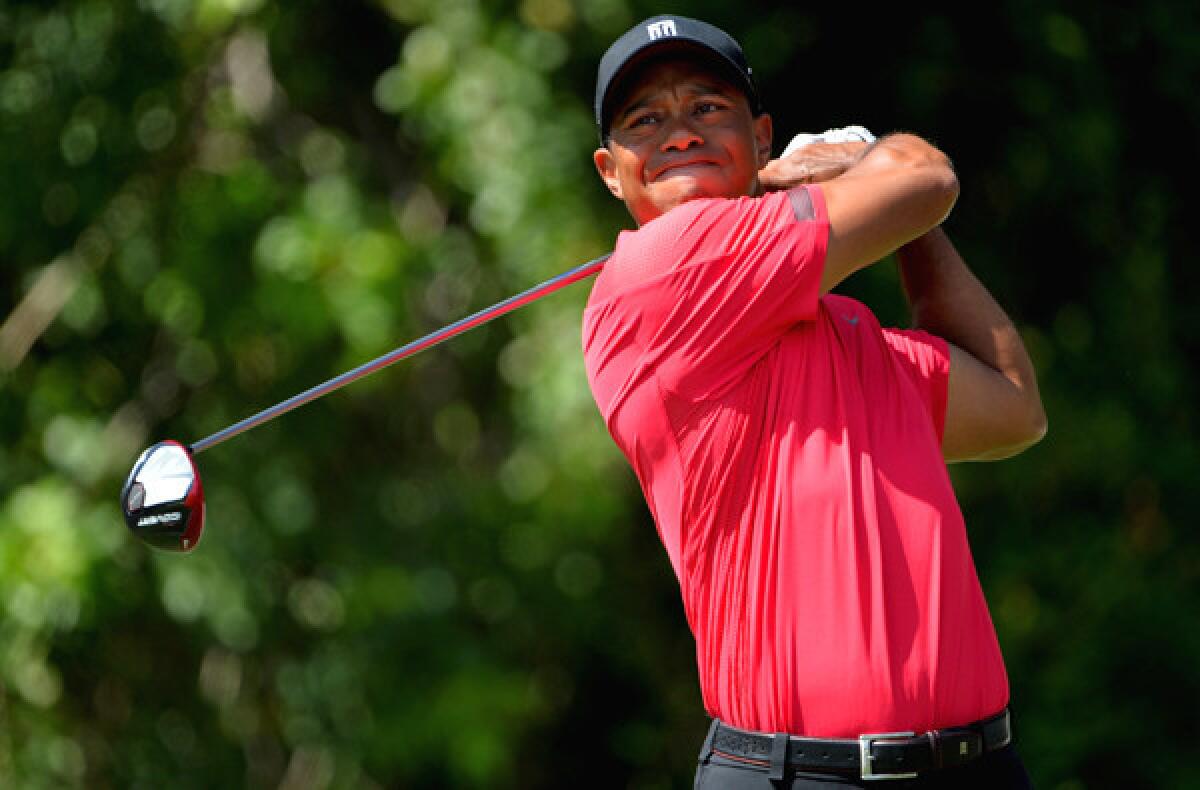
x: 680, y: 131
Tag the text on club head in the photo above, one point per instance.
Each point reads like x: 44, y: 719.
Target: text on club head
x: 159, y: 518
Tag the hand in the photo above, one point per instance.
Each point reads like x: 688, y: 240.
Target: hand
x: 811, y: 164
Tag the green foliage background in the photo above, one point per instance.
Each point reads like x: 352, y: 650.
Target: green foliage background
x: 444, y: 575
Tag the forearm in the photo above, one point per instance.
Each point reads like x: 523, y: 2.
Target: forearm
x: 817, y: 162
x: 900, y: 189
x: 949, y: 301
x: 898, y: 150
x: 811, y: 164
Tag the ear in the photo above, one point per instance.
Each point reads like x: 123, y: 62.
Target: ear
x: 763, y: 135
x: 606, y: 166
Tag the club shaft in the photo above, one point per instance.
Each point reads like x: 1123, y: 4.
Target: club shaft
x: 432, y: 339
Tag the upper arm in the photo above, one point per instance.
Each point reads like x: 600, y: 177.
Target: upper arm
x: 899, y: 190
x: 987, y: 416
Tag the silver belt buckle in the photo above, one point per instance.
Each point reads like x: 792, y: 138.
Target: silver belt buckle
x: 864, y: 754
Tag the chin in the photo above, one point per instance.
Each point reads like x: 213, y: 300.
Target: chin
x: 679, y: 190
x: 660, y: 207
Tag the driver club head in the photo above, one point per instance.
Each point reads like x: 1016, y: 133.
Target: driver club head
x: 163, y: 500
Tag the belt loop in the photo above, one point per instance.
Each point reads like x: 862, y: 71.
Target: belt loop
x: 707, y: 749
x: 779, y: 748
x: 936, y: 746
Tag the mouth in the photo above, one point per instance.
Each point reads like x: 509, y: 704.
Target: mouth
x: 680, y: 168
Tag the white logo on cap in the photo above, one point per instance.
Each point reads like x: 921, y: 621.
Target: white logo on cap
x: 661, y: 29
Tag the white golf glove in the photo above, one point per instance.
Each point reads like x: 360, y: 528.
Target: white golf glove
x: 847, y: 134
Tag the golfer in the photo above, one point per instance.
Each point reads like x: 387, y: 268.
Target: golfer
x: 793, y: 451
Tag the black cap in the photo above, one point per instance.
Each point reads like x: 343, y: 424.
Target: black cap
x: 666, y: 30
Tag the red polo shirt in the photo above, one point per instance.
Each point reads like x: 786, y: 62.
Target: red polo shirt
x: 789, y: 450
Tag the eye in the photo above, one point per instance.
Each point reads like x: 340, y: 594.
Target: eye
x: 709, y: 106
x: 642, y: 119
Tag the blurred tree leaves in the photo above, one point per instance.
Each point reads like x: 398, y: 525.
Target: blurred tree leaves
x: 444, y: 575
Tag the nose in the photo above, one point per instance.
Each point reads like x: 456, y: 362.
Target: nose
x: 680, y: 135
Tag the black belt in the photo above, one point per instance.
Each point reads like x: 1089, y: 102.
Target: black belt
x: 892, y: 755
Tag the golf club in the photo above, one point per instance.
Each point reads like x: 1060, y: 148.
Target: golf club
x: 163, y: 499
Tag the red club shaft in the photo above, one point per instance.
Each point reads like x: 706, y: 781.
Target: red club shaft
x: 432, y: 339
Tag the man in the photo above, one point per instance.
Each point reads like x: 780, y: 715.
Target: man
x: 790, y: 449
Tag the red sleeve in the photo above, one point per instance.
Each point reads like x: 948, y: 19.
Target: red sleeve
x: 926, y: 360
x: 715, y: 283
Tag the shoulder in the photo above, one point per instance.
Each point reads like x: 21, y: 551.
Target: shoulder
x: 666, y: 243
x: 704, y: 230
